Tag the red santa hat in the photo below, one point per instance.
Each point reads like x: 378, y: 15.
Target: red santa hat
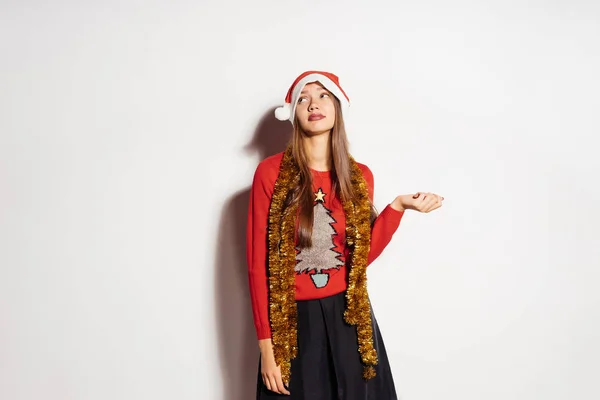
x: 329, y: 82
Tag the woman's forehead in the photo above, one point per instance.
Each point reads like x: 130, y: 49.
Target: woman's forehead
x: 313, y: 86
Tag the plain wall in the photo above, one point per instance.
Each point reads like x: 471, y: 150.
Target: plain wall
x: 129, y: 134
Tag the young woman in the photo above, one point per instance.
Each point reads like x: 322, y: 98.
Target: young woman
x: 312, y: 232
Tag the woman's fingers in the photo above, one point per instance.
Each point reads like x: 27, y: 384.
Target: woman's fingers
x: 427, y: 201
x: 266, y: 381
x: 432, y: 207
x: 280, y: 385
x: 273, y: 384
x: 437, y: 203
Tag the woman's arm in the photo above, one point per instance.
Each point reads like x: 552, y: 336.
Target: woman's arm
x: 256, y: 254
x: 386, y: 223
x: 389, y: 219
x: 256, y: 249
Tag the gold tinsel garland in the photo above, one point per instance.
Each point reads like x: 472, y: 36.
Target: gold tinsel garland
x: 282, y: 258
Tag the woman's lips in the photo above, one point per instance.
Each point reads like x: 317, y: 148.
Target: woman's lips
x: 316, y: 117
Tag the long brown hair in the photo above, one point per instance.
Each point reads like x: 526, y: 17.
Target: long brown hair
x: 340, y: 175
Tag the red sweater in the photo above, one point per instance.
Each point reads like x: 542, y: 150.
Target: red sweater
x: 320, y: 270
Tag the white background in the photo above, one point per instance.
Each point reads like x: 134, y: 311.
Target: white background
x: 130, y: 131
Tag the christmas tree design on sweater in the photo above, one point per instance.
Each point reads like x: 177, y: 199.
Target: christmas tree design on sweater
x: 321, y: 258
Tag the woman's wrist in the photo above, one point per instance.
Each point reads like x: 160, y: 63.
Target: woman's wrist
x: 397, y: 204
x: 265, y: 344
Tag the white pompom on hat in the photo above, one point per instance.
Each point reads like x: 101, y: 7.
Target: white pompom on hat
x: 327, y: 79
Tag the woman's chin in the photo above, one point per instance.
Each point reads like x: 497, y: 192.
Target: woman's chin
x: 317, y: 128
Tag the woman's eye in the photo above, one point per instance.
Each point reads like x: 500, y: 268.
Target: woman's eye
x: 325, y: 94
x: 300, y: 99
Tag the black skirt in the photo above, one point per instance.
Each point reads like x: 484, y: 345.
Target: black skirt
x: 328, y: 364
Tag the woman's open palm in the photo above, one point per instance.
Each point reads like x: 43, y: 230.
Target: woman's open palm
x: 422, y: 201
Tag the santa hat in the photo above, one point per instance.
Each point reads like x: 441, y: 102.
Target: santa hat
x: 329, y: 82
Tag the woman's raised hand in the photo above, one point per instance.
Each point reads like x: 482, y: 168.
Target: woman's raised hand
x: 270, y: 371
x: 420, y: 201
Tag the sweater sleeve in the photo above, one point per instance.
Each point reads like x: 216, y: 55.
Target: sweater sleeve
x: 384, y: 226
x: 257, y: 248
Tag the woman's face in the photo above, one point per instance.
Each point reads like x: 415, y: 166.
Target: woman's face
x: 315, y: 109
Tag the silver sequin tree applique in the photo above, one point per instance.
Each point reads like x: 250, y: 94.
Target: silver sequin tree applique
x: 321, y: 258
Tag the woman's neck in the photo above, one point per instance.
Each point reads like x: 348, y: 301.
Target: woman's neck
x: 318, y: 152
